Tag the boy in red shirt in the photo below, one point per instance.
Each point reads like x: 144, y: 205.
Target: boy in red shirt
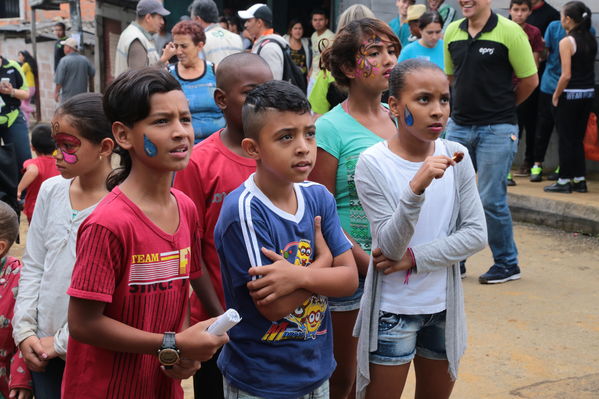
x: 527, y: 111
x: 15, y: 379
x: 218, y: 165
x: 39, y: 169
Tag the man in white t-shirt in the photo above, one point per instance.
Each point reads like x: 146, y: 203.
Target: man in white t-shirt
x: 219, y: 41
x: 321, y: 34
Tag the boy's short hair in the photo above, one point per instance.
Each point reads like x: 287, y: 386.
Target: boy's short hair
x: 9, y: 224
x: 318, y: 11
x: 276, y: 95
x: 41, y: 139
x: 521, y: 2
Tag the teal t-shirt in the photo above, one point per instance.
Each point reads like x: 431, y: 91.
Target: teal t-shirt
x: 417, y: 50
x: 339, y: 134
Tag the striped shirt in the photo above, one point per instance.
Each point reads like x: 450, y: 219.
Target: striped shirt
x: 142, y: 274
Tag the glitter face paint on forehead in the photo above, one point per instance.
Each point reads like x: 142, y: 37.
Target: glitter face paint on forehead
x: 68, y: 146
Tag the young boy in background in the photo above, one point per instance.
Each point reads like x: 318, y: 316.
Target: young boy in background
x: 269, y: 227
x: 217, y: 166
x: 519, y: 11
x: 15, y: 379
x: 38, y: 169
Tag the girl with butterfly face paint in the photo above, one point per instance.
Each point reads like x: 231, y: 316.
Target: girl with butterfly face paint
x: 84, y: 144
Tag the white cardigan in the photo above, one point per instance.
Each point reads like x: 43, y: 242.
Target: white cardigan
x: 42, y: 300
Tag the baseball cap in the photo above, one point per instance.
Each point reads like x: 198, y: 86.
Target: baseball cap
x: 145, y: 7
x: 415, y: 12
x: 259, y: 10
x: 71, y: 42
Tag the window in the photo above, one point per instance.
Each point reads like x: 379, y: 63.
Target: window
x: 10, y: 9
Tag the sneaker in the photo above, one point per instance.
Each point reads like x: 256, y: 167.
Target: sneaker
x: 536, y: 174
x: 580, y: 187
x: 510, y: 180
x: 565, y: 188
x: 500, y: 274
x: 523, y: 170
x: 463, y: 268
x: 553, y: 175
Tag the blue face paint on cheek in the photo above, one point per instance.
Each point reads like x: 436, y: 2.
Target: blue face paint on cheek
x: 149, y: 147
x: 408, y: 117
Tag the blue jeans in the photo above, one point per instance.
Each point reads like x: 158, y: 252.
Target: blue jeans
x: 492, y: 149
x: 403, y: 336
x: 46, y: 385
x: 18, y: 135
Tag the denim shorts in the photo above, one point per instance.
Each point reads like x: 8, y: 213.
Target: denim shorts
x: 347, y: 303
x: 401, y: 337
x: 231, y: 392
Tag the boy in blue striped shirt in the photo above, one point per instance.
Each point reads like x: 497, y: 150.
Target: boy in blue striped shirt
x: 282, y: 252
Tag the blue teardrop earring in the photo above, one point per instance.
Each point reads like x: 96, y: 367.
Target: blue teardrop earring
x: 408, y: 117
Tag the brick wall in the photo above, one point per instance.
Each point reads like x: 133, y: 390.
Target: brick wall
x: 88, y: 13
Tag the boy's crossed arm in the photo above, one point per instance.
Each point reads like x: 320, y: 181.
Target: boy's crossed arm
x: 284, y: 286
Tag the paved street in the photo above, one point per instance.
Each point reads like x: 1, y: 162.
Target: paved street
x: 537, y: 337
x: 533, y: 338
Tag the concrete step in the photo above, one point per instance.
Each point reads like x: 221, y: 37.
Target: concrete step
x: 576, y: 212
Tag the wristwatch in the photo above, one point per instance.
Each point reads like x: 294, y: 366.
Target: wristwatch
x: 168, y: 354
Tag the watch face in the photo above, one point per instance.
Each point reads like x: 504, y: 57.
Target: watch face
x: 168, y: 357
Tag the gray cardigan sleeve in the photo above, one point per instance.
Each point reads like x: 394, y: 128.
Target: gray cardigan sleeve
x: 470, y: 234
x: 392, y: 222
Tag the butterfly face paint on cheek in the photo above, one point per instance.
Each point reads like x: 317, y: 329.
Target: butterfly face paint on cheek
x: 68, y: 146
x: 408, y: 117
x: 149, y: 147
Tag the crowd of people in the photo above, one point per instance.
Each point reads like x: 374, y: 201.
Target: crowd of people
x: 329, y: 190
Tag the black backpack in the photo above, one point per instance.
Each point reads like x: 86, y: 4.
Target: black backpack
x: 291, y: 72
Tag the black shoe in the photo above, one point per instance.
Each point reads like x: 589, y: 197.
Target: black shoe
x: 500, y: 274
x: 536, y: 174
x: 511, y: 182
x: 553, y: 175
x: 580, y: 187
x: 558, y: 188
x: 463, y: 268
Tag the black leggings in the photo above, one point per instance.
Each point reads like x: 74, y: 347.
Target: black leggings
x: 527, y: 120
x: 544, y: 126
x: 571, y: 118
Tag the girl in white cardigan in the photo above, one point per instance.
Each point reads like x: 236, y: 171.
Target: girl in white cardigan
x: 420, y: 197
x: 84, y: 144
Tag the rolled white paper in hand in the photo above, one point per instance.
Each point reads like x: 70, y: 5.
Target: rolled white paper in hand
x: 224, y: 322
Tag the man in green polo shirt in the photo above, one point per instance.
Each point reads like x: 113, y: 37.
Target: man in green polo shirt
x: 483, y: 51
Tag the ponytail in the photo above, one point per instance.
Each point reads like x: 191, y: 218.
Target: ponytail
x: 581, y: 15
x: 118, y: 175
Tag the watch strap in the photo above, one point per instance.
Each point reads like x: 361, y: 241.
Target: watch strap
x: 168, y: 341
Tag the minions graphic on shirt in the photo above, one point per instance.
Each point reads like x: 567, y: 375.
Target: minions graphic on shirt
x: 305, y: 321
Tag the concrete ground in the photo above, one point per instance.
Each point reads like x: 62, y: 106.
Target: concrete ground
x: 533, y: 338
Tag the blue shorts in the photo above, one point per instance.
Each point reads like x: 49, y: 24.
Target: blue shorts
x: 401, y: 337
x: 347, y: 303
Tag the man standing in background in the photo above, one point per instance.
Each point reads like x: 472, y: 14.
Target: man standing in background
x: 219, y: 41
x: 136, y: 47
x: 74, y: 73
x: 59, y: 29
x: 483, y: 51
x: 322, y: 34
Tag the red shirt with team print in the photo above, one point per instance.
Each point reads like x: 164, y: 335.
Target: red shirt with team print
x: 142, y: 274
